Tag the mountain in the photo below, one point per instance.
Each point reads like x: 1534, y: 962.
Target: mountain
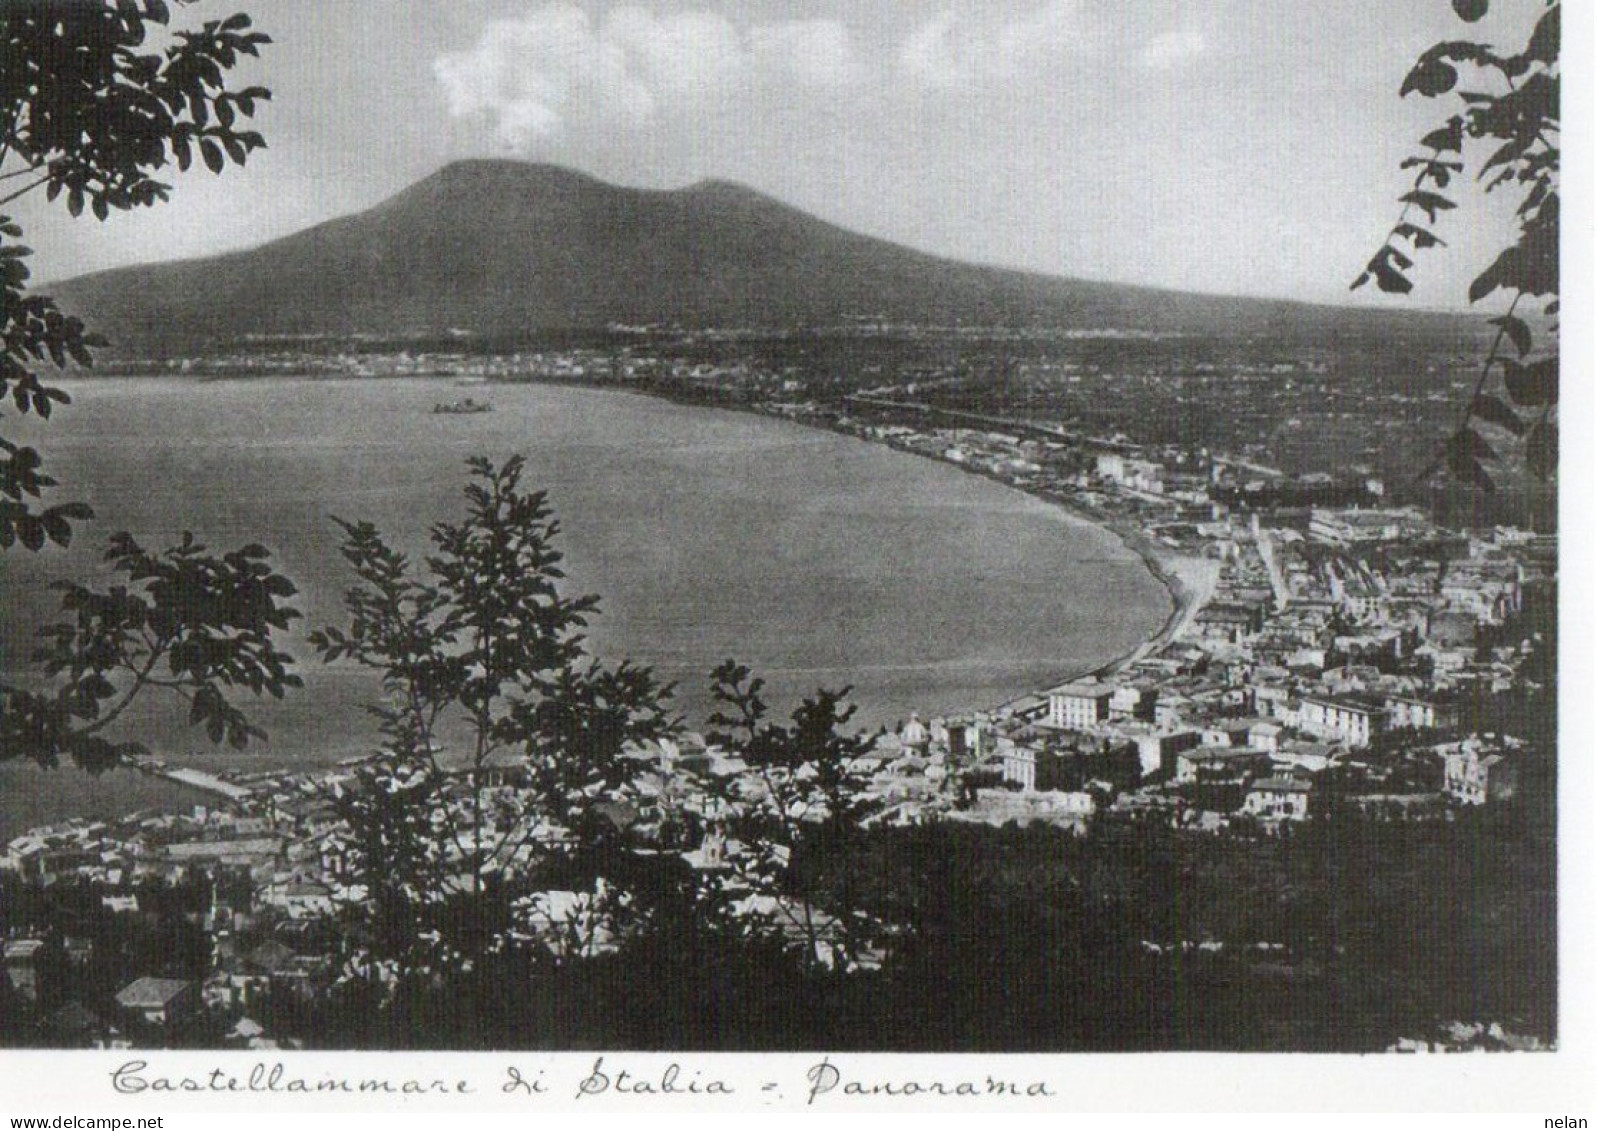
x: 503, y: 246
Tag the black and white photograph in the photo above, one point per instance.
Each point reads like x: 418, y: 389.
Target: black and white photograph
x: 843, y: 527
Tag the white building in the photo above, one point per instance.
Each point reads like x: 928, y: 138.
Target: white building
x: 1407, y: 711
x: 1079, y: 706
x: 1363, y: 527
x: 1345, y: 719
x: 1278, y: 798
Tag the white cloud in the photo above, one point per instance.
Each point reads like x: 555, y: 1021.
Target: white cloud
x: 1173, y: 49
x: 929, y: 54
x: 533, y: 76
x: 557, y: 68
x: 965, y: 51
x: 529, y: 74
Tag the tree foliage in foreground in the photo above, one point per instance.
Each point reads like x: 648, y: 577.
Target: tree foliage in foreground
x: 531, y: 807
x: 92, y: 110
x: 195, y: 624
x: 1506, y: 127
x: 803, y: 798
x: 92, y: 113
x: 486, y: 677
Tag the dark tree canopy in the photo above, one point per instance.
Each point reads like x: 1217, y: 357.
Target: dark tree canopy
x: 185, y: 621
x: 485, y: 671
x: 98, y: 98
x: 93, y: 111
x: 1506, y: 128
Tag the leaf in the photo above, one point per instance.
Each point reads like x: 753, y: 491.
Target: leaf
x: 1543, y: 45
x: 1505, y: 154
x: 1431, y: 202
x: 1390, y: 279
x: 56, y: 528
x: 1531, y: 385
x: 212, y: 153
x: 1516, y: 331
x: 1491, y: 278
x: 1502, y: 178
x: 1461, y: 51
x: 1438, y: 172
x: 1430, y: 77
x: 1545, y: 374
x: 1492, y: 410
x: 1420, y: 237
x: 1447, y: 139
x: 31, y: 531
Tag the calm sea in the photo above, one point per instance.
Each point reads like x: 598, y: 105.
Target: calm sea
x: 820, y: 560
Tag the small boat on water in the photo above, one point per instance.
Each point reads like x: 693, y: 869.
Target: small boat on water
x: 462, y: 408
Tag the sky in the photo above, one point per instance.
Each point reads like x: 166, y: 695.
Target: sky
x: 1227, y: 146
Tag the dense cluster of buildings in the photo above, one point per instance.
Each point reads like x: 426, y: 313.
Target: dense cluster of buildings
x: 1327, y: 649
x: 1322, y: 657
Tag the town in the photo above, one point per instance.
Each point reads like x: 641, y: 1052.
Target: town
x: 1332, y: 654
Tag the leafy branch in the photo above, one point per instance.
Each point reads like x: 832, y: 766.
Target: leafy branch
x: 1523, y: 118
x: 91, y: 119
x: 806, y: 791
x: 197, y: 625
x: 487, y: 678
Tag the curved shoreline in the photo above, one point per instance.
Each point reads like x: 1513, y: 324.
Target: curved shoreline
x: 1183, y: 599
x: 1157, y: 562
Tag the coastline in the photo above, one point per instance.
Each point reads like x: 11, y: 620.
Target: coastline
x: 1181, y: 575
x: 1170, y: 569
x: 1178, y: 574
x: 179, y: 795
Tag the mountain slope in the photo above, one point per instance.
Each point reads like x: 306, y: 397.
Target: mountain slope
x: 502, y: 246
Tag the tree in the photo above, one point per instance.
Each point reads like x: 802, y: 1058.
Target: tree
x: 1510, y: 111
x: 189, y: 622
x: 89, y: 119
x: 507, y: 744
x: 797, y: 811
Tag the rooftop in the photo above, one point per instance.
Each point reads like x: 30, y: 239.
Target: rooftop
x: 150, y: 993
x: 1083, y: 689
